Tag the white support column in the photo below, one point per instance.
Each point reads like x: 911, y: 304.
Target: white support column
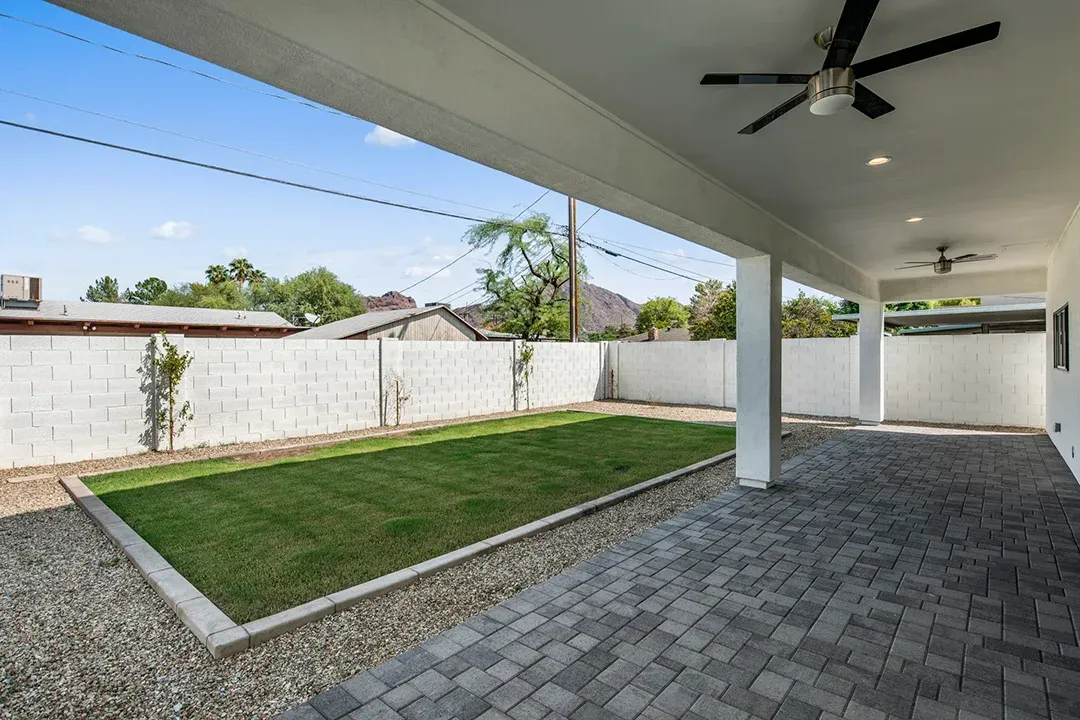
x: 871, y: 363
x: 757, y: 371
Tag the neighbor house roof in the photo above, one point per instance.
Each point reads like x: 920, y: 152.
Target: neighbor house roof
x: 978, y: 314
x: 368, y: 322
x: 74, y: 311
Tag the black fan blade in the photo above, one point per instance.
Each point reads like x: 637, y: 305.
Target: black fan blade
x: 929, y: 49
x: 870, y: 103
x: 849, y: 32
x: 748, y: 79
x: 962, y: 258
x: 912, y: 266
x: 774, y: 113
x: 974, y: 258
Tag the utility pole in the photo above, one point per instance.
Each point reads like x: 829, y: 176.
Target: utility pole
x: 572, y: 224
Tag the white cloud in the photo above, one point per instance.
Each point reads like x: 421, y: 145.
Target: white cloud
x: 424, y: 270
x: 387, y: 138
x: 235, y: 251
x: 94, y: 234
x: 174, y: 230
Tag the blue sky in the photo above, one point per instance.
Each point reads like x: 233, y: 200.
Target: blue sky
x: 73, y: 212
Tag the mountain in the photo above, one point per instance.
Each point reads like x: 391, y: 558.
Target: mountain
x: 600, y: 308
x: 392, y: 300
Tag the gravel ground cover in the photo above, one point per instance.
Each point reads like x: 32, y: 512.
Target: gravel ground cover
x: 83, y: 636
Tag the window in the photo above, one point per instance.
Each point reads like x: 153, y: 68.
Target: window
x: 1061, y: 338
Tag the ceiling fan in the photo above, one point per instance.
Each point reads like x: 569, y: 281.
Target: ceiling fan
x: 943, y: 265
x: 833, y: 88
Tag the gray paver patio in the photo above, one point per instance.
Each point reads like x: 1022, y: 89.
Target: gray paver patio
x: 891, y: 574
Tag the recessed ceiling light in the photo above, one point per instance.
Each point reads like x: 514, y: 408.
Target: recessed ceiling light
x: 879, y: 160
x: 914, y: 219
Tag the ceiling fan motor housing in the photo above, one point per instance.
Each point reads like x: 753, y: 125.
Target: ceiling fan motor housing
x: 943, y: 266
x: 831, y: 90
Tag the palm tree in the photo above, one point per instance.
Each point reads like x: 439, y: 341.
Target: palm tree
x: 256, y: 277
x: 240, y: 270
x: 216, y: 274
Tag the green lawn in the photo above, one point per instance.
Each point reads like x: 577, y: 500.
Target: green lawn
x: 260, y: 537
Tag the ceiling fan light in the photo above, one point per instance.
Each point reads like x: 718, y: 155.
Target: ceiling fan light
x: 831, y: 90
x: 879, y: 160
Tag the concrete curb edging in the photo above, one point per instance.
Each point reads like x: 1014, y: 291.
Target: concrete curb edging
x: 223, y: 637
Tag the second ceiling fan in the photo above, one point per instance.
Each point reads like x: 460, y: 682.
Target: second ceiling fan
x: 834, y: 87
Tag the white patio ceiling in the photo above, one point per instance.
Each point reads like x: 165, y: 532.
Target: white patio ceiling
x: 601, y: 99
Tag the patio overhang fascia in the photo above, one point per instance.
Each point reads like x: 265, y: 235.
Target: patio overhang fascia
x: 936, y: 287
x: 417, y: 69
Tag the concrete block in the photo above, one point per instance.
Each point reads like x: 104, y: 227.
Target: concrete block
x: 228, y: 642
x: 31, y: 342
x: 15, y: 357
x: 146, y: 559
x: 16, y: 389
x: 350, y: 596
x: 173, y: 587
x: 203, y: 617
x: 27, y: 373
x: 271, y: 626
x: 450, y: 559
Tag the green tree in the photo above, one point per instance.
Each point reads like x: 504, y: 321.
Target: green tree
x: 146, y: 291
x: 807, y: 316
x: 256, y: 277
x: 240, y: 270
x: 104, y: 289
x: 712, y: 311
x: 848, y: 307
x: 662, y: 313
x: 612, y: 332
x: 169, y: 365
x: 316, y: 292
x: 526, y: 288
x: 217, y: 274
x: 956, y: 302
x: 221, y: 296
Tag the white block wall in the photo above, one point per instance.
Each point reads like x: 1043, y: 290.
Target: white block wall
x: 563, y: 373
x: 69, y: 398
x: 250, y: 389
x: 966, y: 379
x: 970, y: 379
x: 64, y: 398
x: 819, y: 375
x: 447, y: 380
x: 691, y: 373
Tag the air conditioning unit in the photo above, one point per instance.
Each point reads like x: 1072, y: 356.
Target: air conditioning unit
x: 20, y: 288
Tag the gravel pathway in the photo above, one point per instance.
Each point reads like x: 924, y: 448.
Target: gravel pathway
x: 83, y: 636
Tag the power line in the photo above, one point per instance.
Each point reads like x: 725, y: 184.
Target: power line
x: 174, y: 66
x: 663, y: 252
x: 640, y: 262
x: 605, y: 258
x: 253, y: 153
x: 632, y: 255
x: 594, y: 212
x: 240, y: 173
